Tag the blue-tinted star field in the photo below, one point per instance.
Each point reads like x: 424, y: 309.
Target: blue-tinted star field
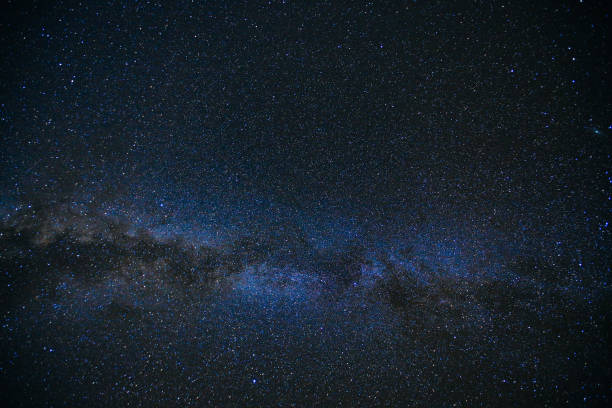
x: 305, y: 203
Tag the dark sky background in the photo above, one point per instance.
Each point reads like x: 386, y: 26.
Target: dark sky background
x: 474, y: 132
x: 464, y: 107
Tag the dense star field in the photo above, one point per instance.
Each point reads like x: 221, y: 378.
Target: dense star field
x: 305, y: 203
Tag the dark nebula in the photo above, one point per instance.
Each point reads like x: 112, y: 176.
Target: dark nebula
x: 285, y: 203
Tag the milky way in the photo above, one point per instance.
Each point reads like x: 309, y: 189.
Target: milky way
x: 305, y: 204
x: 94, y: 307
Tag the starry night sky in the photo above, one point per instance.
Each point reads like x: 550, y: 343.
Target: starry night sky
x: 301, y: 203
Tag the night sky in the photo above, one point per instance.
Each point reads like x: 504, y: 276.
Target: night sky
x: 305, y: 203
